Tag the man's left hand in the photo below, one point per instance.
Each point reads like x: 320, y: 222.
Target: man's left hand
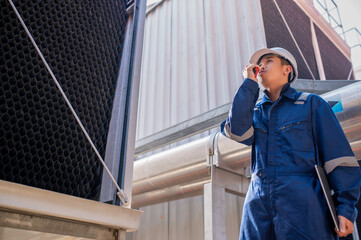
x: 345, y: 226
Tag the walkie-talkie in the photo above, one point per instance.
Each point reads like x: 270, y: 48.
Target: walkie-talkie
x: 255, y: 71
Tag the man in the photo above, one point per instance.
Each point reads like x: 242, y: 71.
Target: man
x: 290, y: 132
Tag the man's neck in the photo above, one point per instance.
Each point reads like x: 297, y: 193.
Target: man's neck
x: 274, y: 92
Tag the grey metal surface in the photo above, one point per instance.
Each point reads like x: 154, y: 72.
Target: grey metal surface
x: 163, y: 170
x: 214, y: 201
x: 183, y: 219
x: 200, y: 123
x: 128, y: 80
x: 48, y: 204
x: 170, y: 193
x: 50, y: 225
x: 186, y: 57
x: 214, y: 212
x: 138, y: 34
x: 350, y: 117
x: 112, y: 151
x: 16, y: 234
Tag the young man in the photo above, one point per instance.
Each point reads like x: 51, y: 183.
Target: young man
x: 290, y: 132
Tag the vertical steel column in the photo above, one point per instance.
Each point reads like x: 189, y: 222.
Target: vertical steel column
x: 214, y: 212
x: 222, y: 181
x: 119, y: 154
x: 121, y: 235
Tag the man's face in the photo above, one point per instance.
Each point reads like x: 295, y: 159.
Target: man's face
x: 271, y: 71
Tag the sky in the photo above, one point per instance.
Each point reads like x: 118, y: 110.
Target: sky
x: 350, y: 11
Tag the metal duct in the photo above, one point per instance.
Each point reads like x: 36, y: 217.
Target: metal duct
x: 170, y: 193
x: 182, y: 164
x: 160, y: 177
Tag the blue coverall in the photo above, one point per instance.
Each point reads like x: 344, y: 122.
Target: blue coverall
x: 285, y: 199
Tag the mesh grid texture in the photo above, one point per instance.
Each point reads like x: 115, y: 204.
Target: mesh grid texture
x: 277, y: 34
x: 41, y: 142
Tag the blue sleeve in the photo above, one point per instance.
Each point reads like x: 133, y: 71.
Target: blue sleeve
x: 337, y: 158
x: 239, y: 124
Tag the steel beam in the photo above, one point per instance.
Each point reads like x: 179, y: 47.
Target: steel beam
x: 55, y: 226
x: 52, y: 205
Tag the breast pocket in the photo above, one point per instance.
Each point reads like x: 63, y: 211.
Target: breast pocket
x: 261, y: 138
x: 297, y: 136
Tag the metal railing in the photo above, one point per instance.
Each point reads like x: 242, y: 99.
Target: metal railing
x: 357, y: 42
x: 329, y: 10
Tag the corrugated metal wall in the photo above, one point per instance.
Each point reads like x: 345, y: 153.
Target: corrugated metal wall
x: 183, y: 220
x: 193, y: 56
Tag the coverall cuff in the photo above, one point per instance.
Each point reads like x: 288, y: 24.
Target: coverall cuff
x: 251, y: 85
x: 347, y: 212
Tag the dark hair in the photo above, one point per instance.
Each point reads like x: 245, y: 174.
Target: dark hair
x: 284, y: 61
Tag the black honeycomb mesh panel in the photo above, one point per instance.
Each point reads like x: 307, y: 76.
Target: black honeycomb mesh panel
x: 277, y: 34
x: 41, y: 142
x: 336, y: 65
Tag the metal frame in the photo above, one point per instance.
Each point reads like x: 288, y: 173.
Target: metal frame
x: 330, y: 17
x: 221, y: 181
x: 35, y: 209
x: 317, y: 51
x: 358, y: 36
x: 119, y: 153
x: 214, y: 195
x: 55, y: 226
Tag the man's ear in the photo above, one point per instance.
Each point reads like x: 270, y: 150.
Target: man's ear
x: 288, y: 69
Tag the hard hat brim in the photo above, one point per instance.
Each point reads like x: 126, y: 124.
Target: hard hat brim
x: 258, y: 54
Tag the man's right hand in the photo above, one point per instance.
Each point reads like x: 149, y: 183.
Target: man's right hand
x: 248, y: 72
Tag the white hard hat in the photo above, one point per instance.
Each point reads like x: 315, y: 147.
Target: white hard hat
x: 278, y: 51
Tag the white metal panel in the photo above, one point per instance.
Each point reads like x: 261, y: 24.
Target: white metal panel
x: 183, y: 219
x: 154, y: 224
x: 234, y: 30
x: 186, y: 219
x: 193, y: 55
x: 155, y: 73
x: 234, y: 208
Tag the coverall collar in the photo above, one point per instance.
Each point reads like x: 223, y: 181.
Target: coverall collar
x: 286, y: 90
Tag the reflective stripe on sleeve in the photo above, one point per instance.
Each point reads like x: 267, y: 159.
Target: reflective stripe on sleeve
x: 349, y: 161
x: 246, y: 135
x: 303, y: 96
